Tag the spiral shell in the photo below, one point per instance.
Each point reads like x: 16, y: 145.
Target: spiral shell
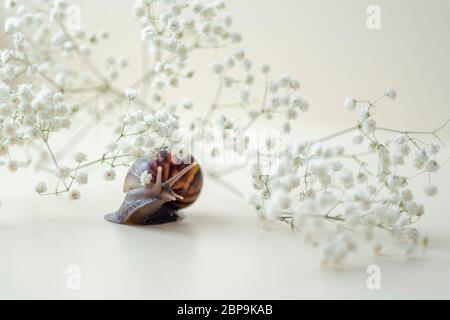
x: 189, y: 186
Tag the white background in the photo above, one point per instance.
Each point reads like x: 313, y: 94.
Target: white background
x: 221, y: 250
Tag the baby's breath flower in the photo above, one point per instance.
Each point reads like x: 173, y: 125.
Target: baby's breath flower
x: 74, y: 195
x: 433, y: 148
x: 139, y: 10
x: 187, y: 104
x: 81, y: 178
x: 390, y: 93
x: 40, y: 187
x: 3, y: 149
x: 432, y: 166
x: 265, y: 69
x: 357, y: 138
x: 145, y: 178
x: 80, y: 157
x: 430, y: 190
x: 131, y: 93
x: 10, y: 4
x: 63, y: 172
x: 369, y: 125
x: 350, y: 104
x: 216, y: 67
x: 109, y: 175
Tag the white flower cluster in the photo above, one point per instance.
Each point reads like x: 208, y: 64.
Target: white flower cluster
x: 46, y: 45
x: 29, y: 113
x: 331, y: 195
x: 173, y: 31
x: 141, y: 134
x: 320, y: 189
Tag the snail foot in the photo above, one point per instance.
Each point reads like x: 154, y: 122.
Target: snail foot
x: 114, y: 218
x: 163, y: 215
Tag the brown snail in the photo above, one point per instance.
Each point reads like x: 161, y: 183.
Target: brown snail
x: 175, y: 184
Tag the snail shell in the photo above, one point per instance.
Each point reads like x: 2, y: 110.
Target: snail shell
x: 175, y: 184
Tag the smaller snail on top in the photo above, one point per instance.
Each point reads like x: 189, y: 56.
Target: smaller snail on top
x: 174, y: 184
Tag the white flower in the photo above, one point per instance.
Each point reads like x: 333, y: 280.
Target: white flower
x: 148, y: 33
x: 327, y: 250
x: 304, y: 105
x: 246, y: 65
x: 3, y: 149
x: 430, y: 190
x: 281, y: 200
x: 401, y: 139
x: 187, y: 104
x: 404, y: 149
x: 433, y: 148
x: 369, y: 125
x: 390, y: 93
x: 265, y: 69
x: 285, y: 127
x: 407, y: 195
x: 239, y: 54
x: 4, y: 90
x: 363, y: 113
x: 80, y: 157
x: 337, y: 165
x: 63, y: 172
x: 414, y: 209
x: 291, y: 182
x: 131, y: 93
x: 386, y: 214
x: 58, y: 97
x: 123, y: 62
x: 357, y: 138
x: 145, y: 178
x: 10, y: 4
x: 272, y: 210
x: 111, y: 147
x: 421, y: 155
x: 41, y: 187
x: 253, y: 198
x: 74, y: 108
x: 74, y: 194
x: 432, y: 166
x: 325, y: 198
x: 255, y: 170
x: 377, y: 247
x: 217, y: 67
x: 361, y: 177
x: 11, y: 24
x: 394, y: 181
x: 138, y: 10
x: 403, y: 220
x: 350, y: 103
x: 109, y: 175
x: 81, y: 178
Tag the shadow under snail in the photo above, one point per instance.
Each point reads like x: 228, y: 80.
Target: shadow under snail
x: 175, y: 184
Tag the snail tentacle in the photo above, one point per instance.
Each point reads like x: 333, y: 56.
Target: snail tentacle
x: 180, y: 174
x: 158, y: 185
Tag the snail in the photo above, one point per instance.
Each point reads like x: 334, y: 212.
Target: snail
x: 174, y: 185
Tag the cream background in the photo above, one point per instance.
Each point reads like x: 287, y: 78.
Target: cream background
x: 221, y: 251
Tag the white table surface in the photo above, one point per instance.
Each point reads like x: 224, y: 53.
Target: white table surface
x: 220, y: 251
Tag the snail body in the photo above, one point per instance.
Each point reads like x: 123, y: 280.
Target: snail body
x: 174, y: 185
